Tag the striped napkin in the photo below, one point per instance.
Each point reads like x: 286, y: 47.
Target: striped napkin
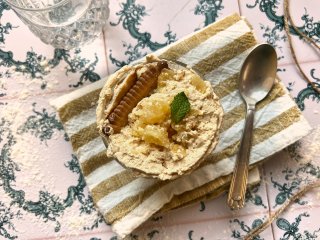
x: 217, y: 52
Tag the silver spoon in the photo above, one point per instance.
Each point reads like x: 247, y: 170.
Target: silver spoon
x: 257, y: 76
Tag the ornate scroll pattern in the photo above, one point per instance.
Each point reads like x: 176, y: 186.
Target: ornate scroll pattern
x: 131, y: 16
x: 308, y: 92
x: 275, y: 34
x: 49, y: 207
x: 37, y: 66
x: 292, y: 230
x: 236, y: 234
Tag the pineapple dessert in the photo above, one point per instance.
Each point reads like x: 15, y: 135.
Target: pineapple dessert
x: 159, y: 118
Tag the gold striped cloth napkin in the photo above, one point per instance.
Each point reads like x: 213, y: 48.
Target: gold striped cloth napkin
x: 217, y: 52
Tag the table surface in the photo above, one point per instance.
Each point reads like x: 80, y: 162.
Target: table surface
x: 42, y: 192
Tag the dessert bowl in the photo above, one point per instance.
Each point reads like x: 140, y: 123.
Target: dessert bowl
x: 159, y: 118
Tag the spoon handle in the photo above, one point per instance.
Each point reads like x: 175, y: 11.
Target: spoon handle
x: 239, y: 180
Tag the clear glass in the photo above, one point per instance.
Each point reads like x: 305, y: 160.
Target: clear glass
x: 63, y: 23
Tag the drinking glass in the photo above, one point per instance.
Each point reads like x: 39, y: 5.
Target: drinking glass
x: 63, y: 23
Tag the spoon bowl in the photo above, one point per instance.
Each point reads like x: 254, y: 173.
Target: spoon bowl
x: 257, y: 76
x: 258, y: 73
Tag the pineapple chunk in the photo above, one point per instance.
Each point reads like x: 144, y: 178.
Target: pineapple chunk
x: 154, y: 110
x: 154, y: 134
x: 178, y: 149
x: 199, y: 84
x: 166, y: 74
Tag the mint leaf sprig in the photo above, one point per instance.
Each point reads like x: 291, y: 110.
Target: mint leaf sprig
x: 180, y: 107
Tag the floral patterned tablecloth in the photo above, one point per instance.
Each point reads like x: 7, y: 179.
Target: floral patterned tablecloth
x: 42, y: 192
